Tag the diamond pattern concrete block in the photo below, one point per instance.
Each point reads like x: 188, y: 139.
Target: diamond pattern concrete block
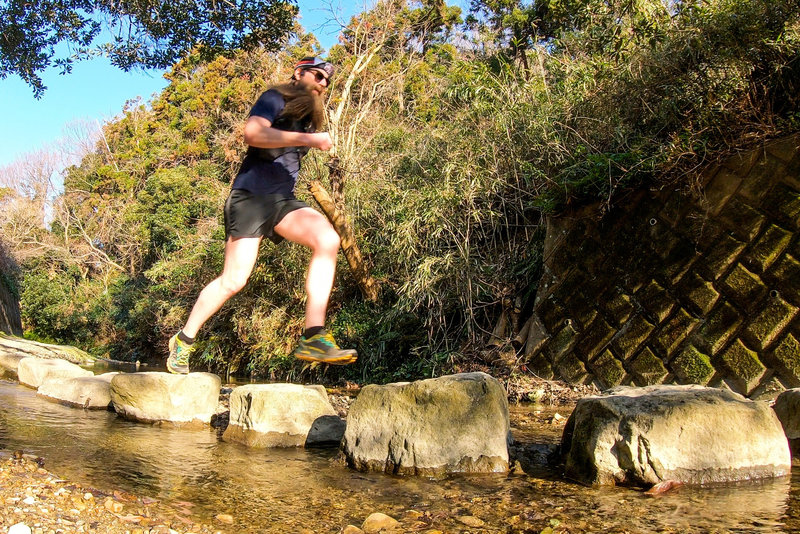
x: 680, y: 259
x: 675, y: 207
x: 742, y: 162
x: 784, y: 203
x: 768, y: 390
x: 570, y: 369
x: 692, y: 367
x: 720, y: 327
x: 768, y: 325
x: 743, y: 287
x: 786, y: 274
x: 580, y: 307
x: 767, y: 249
x: 618, y: 305
x: 700, y: 229
x: 742, y: 220
x: 787, y: 355
x: 561, y: 342
x: 661, y: 239
x: 745, y: 367
x: 631, y: 337
x: 539, y: 366
x: 721, y: 189
x: 784, y: 149
x: 551, y: 313
x: 595, y: 337
x: 722, y: 255
x: 699, y: 293
x: 674, y: 332
x: 647, y: 368
x: 656, y: 301
x: 608, y: 370
x: 758, y: 182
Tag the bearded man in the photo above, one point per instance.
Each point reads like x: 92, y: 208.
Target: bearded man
x: 280, y: 130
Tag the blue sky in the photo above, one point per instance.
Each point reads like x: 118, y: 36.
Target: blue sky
x: 95, y: 90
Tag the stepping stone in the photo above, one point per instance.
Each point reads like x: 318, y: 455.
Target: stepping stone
x: 283, y: 415
x: 34, y: 372
x: 452, y: 424
x: 10, y: 361
x: 690, y: 434
x: 787, y: 408
x: 89, y: 392
x: 166, y: 398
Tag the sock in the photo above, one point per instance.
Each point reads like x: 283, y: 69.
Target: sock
x: 186, y: 339
x: 314, y: 330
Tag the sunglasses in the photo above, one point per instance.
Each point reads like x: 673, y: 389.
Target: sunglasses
x: 318, y: 76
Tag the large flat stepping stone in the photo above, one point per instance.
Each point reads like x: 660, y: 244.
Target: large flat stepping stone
x: 452, y: 424
x: 787, y: 407
x: 283, y: 415
x: 89, y: 392
x: 10, y: 361
x: 11, y: 345
x: 34, y: 372
x: 165, y: 397
x: 690, y: 434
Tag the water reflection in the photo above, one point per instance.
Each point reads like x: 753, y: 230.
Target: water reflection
x: 288, y: 489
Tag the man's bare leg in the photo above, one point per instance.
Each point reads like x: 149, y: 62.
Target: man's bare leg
x: 308, y: 227
x: 240, y: 258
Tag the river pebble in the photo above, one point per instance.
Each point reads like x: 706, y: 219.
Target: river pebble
x: 379, y: 522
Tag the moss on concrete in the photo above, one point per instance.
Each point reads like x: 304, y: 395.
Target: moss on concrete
x: 608, y: 370
x: 632, y: 336
x: 692, y: 366
x: 770, y: 322
x: 647, y: 368
x: 745, y: 367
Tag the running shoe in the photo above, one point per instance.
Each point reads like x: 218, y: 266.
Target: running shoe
x: 323, y: 349
x: 178, y: 360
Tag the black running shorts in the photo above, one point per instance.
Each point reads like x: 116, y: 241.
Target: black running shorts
x: 249, y: 215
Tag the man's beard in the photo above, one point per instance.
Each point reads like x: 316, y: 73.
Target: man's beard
x: 302, y: 102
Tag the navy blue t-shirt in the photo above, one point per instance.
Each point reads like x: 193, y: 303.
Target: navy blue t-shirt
x: 269, y: 171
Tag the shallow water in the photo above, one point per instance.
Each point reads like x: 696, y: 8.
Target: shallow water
x: 284, y: 490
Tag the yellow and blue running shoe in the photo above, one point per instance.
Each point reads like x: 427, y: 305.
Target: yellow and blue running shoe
x: 178, y: 360
x: 322, y: 348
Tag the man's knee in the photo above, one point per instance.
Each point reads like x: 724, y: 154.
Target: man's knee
x: 328, y: 240
x: 233, y: 284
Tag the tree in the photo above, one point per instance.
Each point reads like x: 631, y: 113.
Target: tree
x: 35, y: 35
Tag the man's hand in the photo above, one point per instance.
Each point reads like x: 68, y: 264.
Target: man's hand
x: 321, y: 140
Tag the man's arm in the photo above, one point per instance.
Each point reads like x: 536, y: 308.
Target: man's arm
x: 259, y: 133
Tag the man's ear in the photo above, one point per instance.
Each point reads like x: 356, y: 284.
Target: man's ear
x: 297, y: 74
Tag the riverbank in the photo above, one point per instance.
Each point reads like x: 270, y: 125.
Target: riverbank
x: 33, y: 497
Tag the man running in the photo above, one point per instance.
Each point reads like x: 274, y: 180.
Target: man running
x: 281, y: 128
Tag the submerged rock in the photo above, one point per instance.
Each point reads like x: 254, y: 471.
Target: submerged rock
x: 378, y: 522
x: 456, y: 423
x: 283, y: 415
x: 34, y: 372
x: 91, y: 392
x: 690, y: 434
x: 164, y: 397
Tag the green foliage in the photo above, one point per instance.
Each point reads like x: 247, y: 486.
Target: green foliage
x: 143, y: 34
x: 464, y: 150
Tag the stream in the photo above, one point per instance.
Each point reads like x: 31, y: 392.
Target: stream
x: 292, y: 489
